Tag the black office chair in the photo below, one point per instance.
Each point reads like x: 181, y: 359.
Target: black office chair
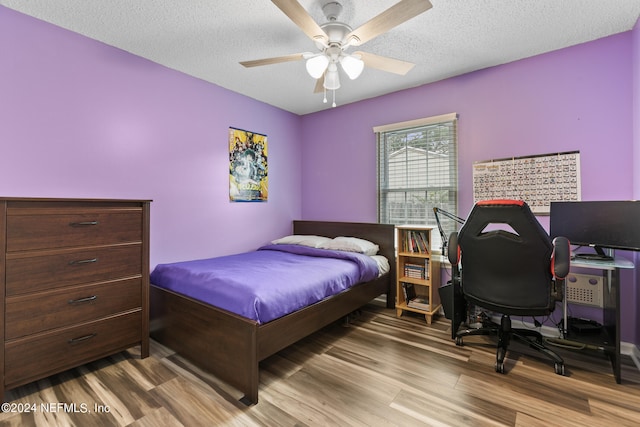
x: 505, y: 262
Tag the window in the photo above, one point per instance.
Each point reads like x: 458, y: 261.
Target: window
x: 417, y: 172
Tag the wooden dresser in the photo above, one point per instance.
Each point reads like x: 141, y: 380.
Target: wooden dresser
x: 74, y: 275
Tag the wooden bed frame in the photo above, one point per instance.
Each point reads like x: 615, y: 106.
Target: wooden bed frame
x: 230, y: 346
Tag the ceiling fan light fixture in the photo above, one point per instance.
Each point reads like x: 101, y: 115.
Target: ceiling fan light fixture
x: 352, y: 65
x: 331, y: 78
x: 317, y: 65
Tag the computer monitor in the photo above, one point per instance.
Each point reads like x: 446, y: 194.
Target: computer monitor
x: 597, y: 224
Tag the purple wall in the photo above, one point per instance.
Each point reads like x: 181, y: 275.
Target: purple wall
x: 83, y: 119
x: 578, y: 98
x: 636, y: 106
x: 636, y: 161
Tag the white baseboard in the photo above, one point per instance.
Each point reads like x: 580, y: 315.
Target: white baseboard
x: 631, y: 350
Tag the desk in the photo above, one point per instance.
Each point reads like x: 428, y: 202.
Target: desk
x: 609, y: 338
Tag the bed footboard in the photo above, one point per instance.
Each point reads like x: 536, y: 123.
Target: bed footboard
x: 216, y: 341
x: 231, y: 347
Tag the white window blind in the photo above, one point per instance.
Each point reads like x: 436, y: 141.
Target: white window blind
x: 417, y: 171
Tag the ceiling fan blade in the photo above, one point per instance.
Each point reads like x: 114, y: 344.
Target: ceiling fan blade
x: 384, y: 63
x: 274, y: 60
x: 302, y: 19
x: 392, y: 17
x: 319, y: 87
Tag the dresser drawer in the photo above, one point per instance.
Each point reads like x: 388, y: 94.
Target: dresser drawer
x: 82, y: 228
x: 38, y: 312
x: 44, y: 354
x: 55, y: 269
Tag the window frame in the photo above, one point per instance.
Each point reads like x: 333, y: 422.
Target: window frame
x: 450, y: 190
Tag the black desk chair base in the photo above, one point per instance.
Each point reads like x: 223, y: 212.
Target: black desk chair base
x: 505, y: 333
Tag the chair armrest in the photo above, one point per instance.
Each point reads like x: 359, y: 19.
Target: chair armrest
x: 453, y: 250
x: 561, y: 257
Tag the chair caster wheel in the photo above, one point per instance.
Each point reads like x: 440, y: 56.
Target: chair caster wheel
x: 459, y: 341
x: 500, y: 367
x: 559, y: 368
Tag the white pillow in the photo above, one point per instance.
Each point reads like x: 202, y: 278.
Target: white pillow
x: 352, y: 244
x: 302, y: 240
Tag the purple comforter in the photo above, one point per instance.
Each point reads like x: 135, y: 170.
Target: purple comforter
x: 269, y: 283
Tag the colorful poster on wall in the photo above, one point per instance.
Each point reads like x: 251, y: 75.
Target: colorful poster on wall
x: 248, y: 171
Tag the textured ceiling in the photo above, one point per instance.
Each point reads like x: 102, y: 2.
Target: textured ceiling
x: 207, y: 38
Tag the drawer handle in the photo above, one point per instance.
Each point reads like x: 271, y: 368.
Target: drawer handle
x: 73, y: 341
x: 83, y: 223
x: 83, y: 300
x: 83, y: 261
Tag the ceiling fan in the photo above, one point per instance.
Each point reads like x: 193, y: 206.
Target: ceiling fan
x: 333, y: 38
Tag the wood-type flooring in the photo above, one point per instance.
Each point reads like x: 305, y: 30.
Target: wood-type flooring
x: 378, y: 371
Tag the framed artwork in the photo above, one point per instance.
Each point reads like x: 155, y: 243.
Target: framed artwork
x: 248, y: 171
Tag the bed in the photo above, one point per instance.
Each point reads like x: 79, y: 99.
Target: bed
x: 230, y: 346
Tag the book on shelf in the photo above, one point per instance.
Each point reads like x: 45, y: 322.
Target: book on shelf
x: 415, y: 242
x: 421, y: 303
x: 409, y: 291
x: 417, y: 271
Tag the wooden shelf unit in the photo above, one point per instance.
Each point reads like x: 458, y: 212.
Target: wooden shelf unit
x: 417, y: 269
